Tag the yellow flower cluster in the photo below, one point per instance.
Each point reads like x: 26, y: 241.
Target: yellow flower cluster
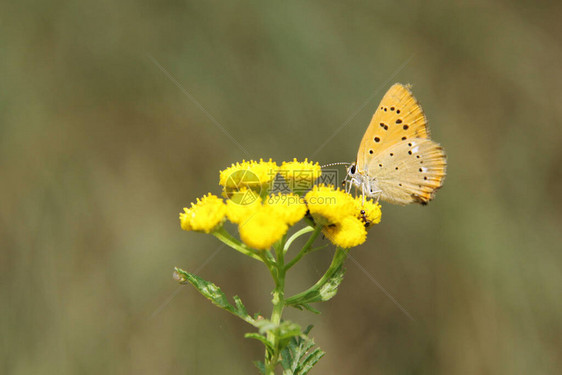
x: 290, y: 207
x: 261, y: 224
x: 328, y: 205
x: 344, y: 219
x: 264, y: 218
x: 204, y: 216
x: 300, y: 175
x: 250, y: 174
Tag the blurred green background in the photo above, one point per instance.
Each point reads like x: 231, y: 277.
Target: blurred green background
x: 101, y: 148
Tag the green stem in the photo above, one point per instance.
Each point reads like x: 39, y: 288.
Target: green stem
x: 295, y: 236
x: 318, y: 248
x: 227, y: 239
x: 271, y: 359
x: 278, y: 270
x: 305, y: 249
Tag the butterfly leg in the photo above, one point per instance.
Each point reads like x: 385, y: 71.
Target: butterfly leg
x: 377, y: 194
x: 362, y: 194
x: 374, y: 190
x: 345, y: 183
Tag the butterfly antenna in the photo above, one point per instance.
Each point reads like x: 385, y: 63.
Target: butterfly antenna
x: 339, y: 163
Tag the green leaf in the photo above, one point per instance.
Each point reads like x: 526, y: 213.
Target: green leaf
x: 330, y: 288
x: 214, y: 294
x: 310, y: 360
x: 288, y: 329
x: 287, y: 357
x: 322, y: 291
x: 265, y: 325
x: 298, y: 357
x: 283, y: 330
x: 309, y: 308
x: 240, y: 306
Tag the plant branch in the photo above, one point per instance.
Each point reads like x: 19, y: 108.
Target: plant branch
x: 305, y: 248
x: 227, y: 239
x: 339, y: 257
x: 297, y: 235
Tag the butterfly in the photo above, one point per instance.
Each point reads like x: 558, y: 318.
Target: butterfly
x: 397, y: 161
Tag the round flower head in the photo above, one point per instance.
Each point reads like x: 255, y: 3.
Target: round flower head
x: 250, y: 174
x: 262, y: 228
x: 205, y: 215
x: 238, y: 213
x: 290, y: 207
x: 368, y: 211
x: 328, y: 205
x: 350, y: 232
x: 300, y: 175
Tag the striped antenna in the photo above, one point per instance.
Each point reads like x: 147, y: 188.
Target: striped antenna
x: 339, y: 163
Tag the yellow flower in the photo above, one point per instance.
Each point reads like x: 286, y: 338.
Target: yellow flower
x: 205, y: 215
x: 262, y: 228
x: 290, y: 207
x: 251, y: 174
x: 328, y: 205
x: 368, y: 211
x: 238, y: 213
x: 350, y: 232
x: 300, y: 175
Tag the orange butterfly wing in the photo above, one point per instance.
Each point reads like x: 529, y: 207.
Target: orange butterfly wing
x: 398, y: 117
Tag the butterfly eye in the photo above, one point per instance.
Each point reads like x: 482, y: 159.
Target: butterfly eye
x: 352, y: 169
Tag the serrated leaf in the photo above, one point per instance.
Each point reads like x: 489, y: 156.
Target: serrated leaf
x: 215, y: 295
x: 300, y: 351
x: 286, y: 358
x: 298, y: 357
x: 240, y: 306
x: 310, y: 361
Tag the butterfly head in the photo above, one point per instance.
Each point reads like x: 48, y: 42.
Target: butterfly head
x: 355, y: 176
x: 352, y: 171
x: 361, y: 181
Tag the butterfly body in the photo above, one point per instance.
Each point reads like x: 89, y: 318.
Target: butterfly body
x: 396, y: 161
